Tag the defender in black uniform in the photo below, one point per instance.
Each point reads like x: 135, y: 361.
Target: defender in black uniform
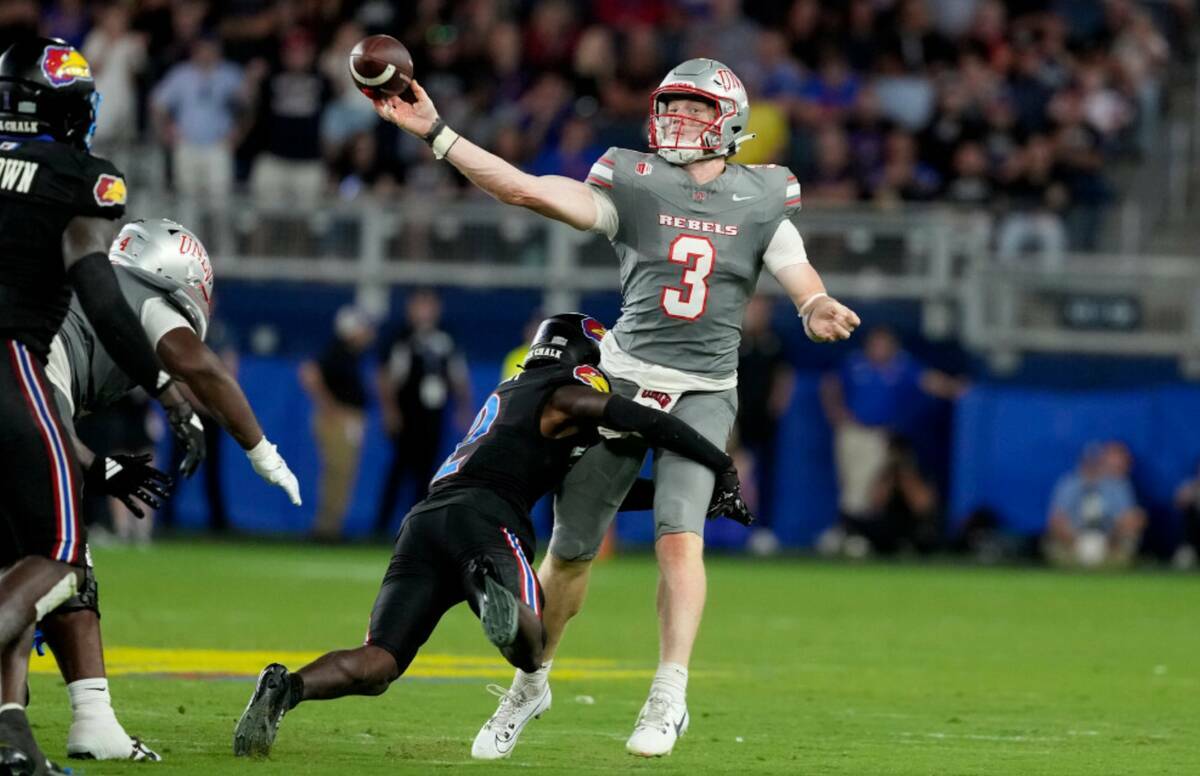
x: 57, y: 207
x: 471, y: 538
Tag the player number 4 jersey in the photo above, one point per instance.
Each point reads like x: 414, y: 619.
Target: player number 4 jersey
x: 690, y: 255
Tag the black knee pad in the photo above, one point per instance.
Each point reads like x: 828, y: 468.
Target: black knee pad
x: 88, y: 597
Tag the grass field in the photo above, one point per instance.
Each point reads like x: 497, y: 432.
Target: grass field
x: 801, y: 668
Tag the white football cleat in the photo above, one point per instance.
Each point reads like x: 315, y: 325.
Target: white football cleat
x: 90, y: 741
x: 658, y: 727
x: 498, y: 736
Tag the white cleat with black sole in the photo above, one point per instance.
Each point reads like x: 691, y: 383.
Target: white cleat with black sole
x: 659, y: 725
x: 498, y: 736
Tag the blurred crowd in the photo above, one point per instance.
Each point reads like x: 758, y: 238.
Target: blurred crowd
x: 1015, y: 106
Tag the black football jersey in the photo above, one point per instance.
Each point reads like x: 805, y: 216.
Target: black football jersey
x: 43, y: 185
x: 505, y: 452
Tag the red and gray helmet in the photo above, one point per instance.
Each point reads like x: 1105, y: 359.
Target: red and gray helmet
x: 710, y: 81
x: 169, y: 257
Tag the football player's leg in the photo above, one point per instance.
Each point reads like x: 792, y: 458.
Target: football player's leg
x: 415, y: 593
x: 683, y: 489
x: 17, y: 744
x: 72, y: 632
x: 501, y: 587
x: 584, y: 508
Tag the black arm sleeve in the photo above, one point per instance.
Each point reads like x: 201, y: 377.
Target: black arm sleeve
x: 116, y: 325
x: 640, y: 497
x: 665, y: 431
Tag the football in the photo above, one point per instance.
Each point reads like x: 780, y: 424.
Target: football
x: 381, y: 67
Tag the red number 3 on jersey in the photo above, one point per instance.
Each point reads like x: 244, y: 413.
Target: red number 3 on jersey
x: 697, y: 255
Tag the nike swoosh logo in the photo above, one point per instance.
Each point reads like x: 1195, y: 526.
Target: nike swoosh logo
x: 736, y: 198
x: 679, y: 725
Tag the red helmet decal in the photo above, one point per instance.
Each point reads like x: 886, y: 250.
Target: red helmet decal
x: 63, y: 66
x: 590, y: 375
x: 593, y: 329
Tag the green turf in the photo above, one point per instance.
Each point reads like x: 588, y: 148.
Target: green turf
x: 801, y: 667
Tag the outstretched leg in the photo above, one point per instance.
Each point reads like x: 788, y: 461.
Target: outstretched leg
x: 417, y: 590
x: 365, y: 670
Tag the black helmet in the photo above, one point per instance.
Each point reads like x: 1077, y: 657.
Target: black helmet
x: 46, y: 88
x: 567, y: 338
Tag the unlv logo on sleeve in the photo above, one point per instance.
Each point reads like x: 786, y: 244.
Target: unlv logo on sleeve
x: 109, y: 190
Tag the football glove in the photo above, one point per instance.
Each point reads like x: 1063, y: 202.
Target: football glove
x: 269, y: 465
x: 189, y: 432
x: 125, y: 477
x: 727, y: 499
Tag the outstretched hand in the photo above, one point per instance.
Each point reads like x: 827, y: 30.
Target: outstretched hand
x: 415, y: 117
x: 126, y: 477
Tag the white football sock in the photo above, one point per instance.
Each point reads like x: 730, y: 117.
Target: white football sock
x: 535, y: 681
x: 671, y: 680
x: 94, y: 724
x: 11, y: 707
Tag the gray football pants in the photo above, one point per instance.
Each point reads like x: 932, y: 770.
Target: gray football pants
x: 587, y: 501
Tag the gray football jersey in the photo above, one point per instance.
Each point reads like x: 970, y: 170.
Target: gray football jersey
x: 690, y: 255
x: 96, y: 380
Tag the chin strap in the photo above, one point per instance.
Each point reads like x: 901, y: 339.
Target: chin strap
x: 736, y: 145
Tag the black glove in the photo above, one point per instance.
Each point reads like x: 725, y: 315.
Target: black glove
x: 127, y: 476
x: 189, y: 431
x: 727, y: 499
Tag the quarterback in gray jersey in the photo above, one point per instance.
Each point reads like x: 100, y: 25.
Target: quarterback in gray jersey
x: 165, y: 276
x: 692, y: 233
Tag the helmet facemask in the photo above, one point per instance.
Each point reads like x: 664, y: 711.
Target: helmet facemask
x: 681, y: 138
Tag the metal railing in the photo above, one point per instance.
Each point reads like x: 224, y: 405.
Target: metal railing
x: 937, y: 257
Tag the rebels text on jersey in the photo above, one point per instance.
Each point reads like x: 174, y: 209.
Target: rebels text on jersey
x: 505, y: 451
x: 690, y: 254
x: 43, y: 185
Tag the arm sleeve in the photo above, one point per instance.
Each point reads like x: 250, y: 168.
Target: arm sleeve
x: 117, y: 327
x: 665, y: 431
x: 781, y: 203
x: 785, y: 249
x: 607, y: 220
x: 159, y: 317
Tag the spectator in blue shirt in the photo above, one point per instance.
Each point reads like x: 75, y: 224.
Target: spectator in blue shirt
x: 1094, y: 516
x: 196, y: 109
x: 866, y: 401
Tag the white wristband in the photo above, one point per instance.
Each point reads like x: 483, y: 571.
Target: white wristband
x: 442, y: 144
x: 261, y: 451
x: 808, y: 303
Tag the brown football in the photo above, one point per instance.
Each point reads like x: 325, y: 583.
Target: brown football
x: 381, y: 67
